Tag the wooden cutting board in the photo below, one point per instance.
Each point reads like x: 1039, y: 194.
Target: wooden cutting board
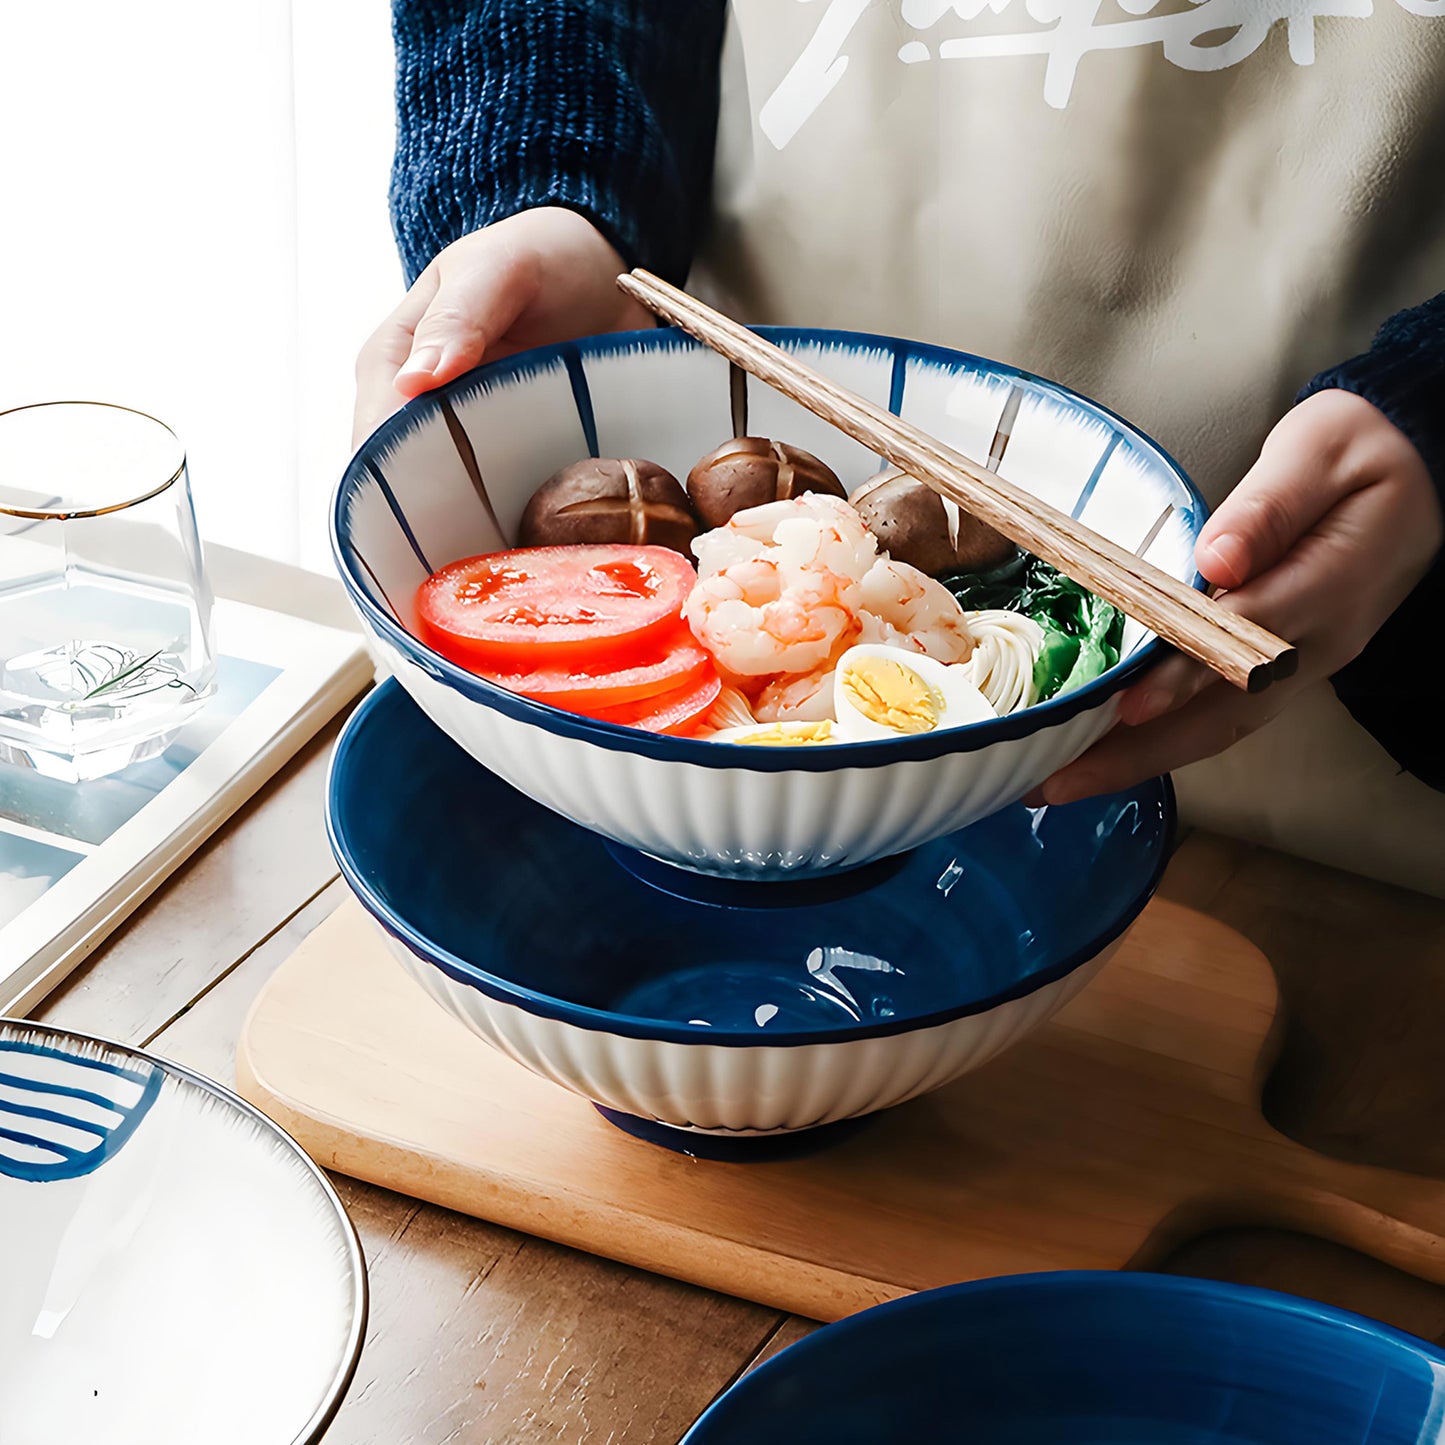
x: 1124, y: 1127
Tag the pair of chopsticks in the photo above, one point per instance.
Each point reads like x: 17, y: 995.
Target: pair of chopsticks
x: 1239, y: 650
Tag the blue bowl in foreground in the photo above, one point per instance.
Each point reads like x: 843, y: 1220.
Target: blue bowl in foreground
x: 449, y: 476
x: 714, y: 1005
x: 1091, y: 1359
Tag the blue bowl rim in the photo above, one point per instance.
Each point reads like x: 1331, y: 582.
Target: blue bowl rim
x: 326, y: 1410
x: 701, y: 751
x: 1248, y: 1298
x: 634, y: 1027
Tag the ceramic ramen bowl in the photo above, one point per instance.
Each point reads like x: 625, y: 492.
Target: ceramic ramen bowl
x: 448, y: 477
x: 175, y: 1268
x: 685, y: 1003
x: 1091, y: 1359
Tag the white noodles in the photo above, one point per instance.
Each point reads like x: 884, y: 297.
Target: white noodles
x: 731, y: 710
x: 1005, y: 647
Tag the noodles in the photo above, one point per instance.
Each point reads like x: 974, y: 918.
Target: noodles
x: 731, y: 710
x: 1082, y: 634
x: 1006, y: 645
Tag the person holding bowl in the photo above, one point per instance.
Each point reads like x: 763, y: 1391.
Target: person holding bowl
x: 1190, y: 215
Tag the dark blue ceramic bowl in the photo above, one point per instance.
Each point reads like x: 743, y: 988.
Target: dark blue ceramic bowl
x: 714, y: 1004
x: 1091, y: 1359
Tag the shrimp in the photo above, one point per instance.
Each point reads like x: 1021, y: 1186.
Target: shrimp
x: 904, y: 607
x: 784, y: 588
x: 725, y: 547
x: 805, y: 696
x: 799, y: 697
x: 813, y: 532
x: 777, y: 586
x: 755, y: 623
x: 816, y: 532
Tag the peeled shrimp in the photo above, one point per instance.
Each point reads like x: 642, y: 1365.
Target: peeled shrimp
x: 904, y: 607
x: 1006, y: 644
x: 755, y: 621
x: 725, y: 547
x: 809, y: 533
x: 777, y: 586
x: 804, y: 697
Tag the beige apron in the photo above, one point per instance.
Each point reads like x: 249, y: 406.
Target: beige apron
x: 1183, y: 209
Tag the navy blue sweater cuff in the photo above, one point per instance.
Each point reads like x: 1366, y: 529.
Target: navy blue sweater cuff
x: 1403, y: 375
x: 607, y: 107
x: 1393, y: 688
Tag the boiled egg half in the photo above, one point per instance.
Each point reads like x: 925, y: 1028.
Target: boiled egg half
x: 889, y: 692
x: 779, y: 734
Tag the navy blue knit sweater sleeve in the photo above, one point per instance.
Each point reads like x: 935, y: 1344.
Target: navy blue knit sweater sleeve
x: 608, y: 107
x: 1394, y: 687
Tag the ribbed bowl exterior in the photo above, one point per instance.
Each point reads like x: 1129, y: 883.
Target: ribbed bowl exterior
x: 744, y: 1089
x: 738, y: 823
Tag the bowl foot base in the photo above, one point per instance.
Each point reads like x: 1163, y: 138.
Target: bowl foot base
x: 744, y: 892
x: 736, y: 1148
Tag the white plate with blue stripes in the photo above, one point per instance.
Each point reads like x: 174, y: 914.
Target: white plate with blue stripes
x: 175, y: 1269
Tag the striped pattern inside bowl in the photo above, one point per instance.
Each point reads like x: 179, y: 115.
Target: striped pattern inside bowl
x: 449, y: 476
x: 65, y: 1111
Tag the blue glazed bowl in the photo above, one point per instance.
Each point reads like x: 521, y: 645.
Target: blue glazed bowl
x: 701, y: 1003
x: 1091, y: 1359
x: 449, y: 476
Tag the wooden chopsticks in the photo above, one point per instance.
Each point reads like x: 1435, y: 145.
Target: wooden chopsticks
x: 1239, y: 650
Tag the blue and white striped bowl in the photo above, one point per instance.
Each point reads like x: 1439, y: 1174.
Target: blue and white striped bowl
x: 448, y: 477
x: 175, y: 1270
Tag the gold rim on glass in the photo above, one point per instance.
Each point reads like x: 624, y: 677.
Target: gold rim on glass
x: 50, y: 515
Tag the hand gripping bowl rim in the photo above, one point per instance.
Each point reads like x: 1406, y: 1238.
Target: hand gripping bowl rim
x: 702, y: 751
x: 633, y: 1026
x: 1051, y: 1285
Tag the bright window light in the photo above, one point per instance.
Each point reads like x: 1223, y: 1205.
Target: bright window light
x: 197, y: 227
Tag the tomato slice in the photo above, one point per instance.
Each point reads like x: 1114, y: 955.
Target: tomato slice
x: 596, y: 606
x: 682, y: 662
x: 676, y: 712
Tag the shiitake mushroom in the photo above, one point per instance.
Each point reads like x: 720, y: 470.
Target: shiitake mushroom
x: 915, y: 525
x: 605, y: 500
x: 752, y: 471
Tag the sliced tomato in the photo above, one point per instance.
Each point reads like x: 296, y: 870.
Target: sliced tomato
x: 596, y: 606
x: 676, y: 712
x: 680, y: 662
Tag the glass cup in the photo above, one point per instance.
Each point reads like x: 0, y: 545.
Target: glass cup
x: 105, y: 612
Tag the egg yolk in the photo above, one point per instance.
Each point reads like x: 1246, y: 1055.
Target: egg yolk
x: 798, y: 733
x: 888, y: 693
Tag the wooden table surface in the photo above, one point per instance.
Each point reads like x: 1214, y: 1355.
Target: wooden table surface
x: 479, y: 1334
